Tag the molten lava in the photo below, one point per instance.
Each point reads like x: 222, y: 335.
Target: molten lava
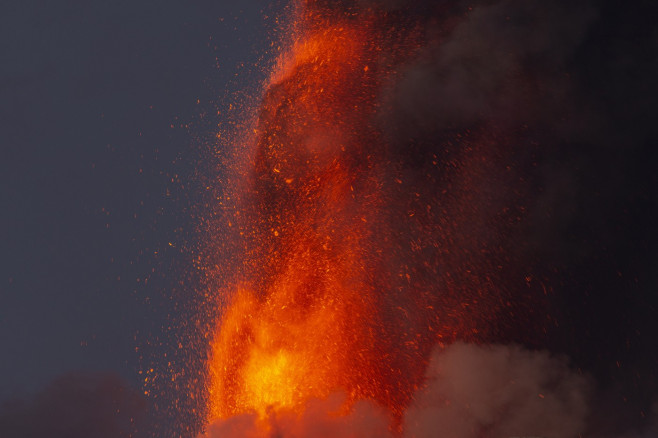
x: 300, y: 330
x: 344, y: 250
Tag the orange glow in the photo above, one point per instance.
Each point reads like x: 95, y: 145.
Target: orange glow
x: 299, y: 328
x: 343, y: 254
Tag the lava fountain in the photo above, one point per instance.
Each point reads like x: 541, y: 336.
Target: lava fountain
x: 361, y: 251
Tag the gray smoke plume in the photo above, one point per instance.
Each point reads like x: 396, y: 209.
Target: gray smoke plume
x: 504, y: 63
x: 499, y: 391
x: 77, y: 405
x: 471, y: 391
x: 539, y: 72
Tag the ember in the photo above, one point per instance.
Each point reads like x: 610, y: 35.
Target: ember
x: 360, y: 257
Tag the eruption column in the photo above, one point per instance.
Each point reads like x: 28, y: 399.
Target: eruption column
x: 344, y: 233
x: 302, y: 328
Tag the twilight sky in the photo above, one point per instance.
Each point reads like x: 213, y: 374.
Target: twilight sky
x: 96, y: 97
x: 106, y: 108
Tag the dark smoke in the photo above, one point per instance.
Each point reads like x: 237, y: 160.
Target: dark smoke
x: 568, y: 88
x: 561, y: 218
x: 77, y: 405
x: 503, y: 64
x: 470, y: 392
x: 499, y: 391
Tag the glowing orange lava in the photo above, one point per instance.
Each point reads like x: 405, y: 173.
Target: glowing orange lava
x: 298, y: 330
x: 339, y: 291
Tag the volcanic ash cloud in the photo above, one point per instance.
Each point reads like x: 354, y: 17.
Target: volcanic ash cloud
x: 470, y: 391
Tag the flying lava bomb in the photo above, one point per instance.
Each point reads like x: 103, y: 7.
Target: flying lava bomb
x: 377, y: 204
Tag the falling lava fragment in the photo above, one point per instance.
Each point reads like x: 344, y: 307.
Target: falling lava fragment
x: 354, y: 270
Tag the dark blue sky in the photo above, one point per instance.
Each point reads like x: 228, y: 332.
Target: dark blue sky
x: 98, y: 114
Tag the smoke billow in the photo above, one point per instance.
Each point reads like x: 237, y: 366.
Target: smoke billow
x: 447, y: 141
x: 475, y: 391
x: 321, y: 418
x: 504, y: 64
x: 470, y: 391
x: 77, y: 405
